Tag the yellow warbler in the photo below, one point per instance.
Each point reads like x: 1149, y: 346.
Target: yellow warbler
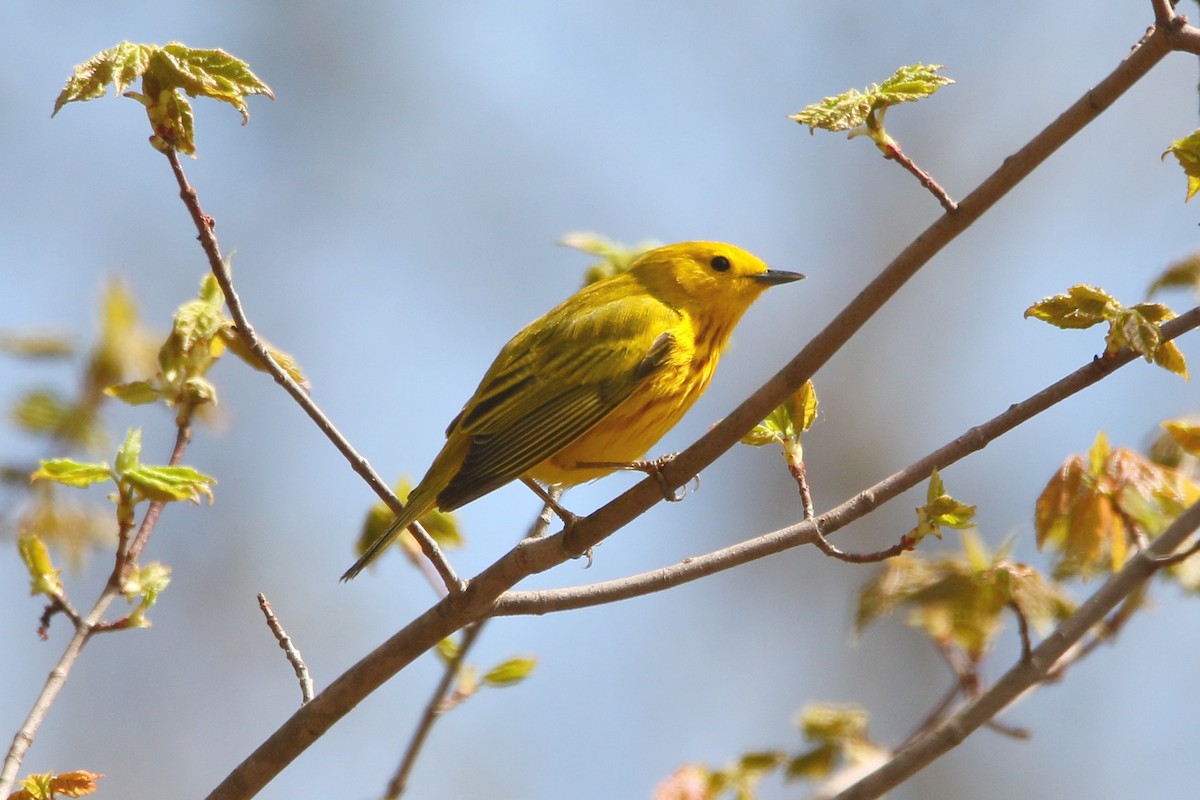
x: 595, y: 382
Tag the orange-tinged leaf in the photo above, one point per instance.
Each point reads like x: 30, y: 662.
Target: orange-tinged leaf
x: 1185, y: 433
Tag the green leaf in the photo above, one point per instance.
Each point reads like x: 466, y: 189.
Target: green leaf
x: 1187, y: 153
x: 210, y: 73
x: 167, y: 484
x: 510, y: 672
x: 1181, y: 274
x: 135, y: 393
x: 148, y: 583
x: 447, y: 649
x: 36, y: 345
x: 788, y: 420
x: 120, y: 66
x: 72, y: 473
x: 850, y: 110
x: 1081, y: 307
x: 43, y: 577
x: 814, y: 764
x: 40, y: 411
x: 1170, y: 357
x: 130, y: 452
x: 238, y: 347
x: 615, y: 257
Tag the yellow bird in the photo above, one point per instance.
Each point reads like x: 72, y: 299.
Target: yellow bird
x: 596, y: 382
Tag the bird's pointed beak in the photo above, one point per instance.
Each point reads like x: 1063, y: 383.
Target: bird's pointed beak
x: 774, y: 277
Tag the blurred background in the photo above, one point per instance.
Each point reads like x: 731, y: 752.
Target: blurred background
x: 394, y: 216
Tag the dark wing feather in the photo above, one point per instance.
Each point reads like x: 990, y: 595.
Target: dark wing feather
x: 527, y: 420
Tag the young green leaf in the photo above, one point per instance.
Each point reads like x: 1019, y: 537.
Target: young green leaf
x: 147, y: 583
x: 1187, y: 153
x: 134, y: 393
x: 615, y: 257
x: 36, y: 345
x: 940, y: 511
x: 130, y: 452
x: 119, y: 66
x: 166, y: 484
x: 72, y: 473
x: 1081, y: 307
x: 165, y: 72
x: 788, y: 420
x: 43, y: 577
x: 510, y: 672
x: 852, y: 109
x: 1181, y: 274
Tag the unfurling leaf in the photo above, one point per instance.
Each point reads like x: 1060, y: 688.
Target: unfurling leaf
x: 788, y: 420
x: 1081, y: 307
x: 134, y: 393
x: 1181, y: 274
x: 146, y: 583
x: 130, y: 452
x: 1135, y: 327
x: 43, y: 577
x: 72, y: 473
x: 615, y: 257
x: 851, y: 109
x: 1187, y: 153
x: 510, y: 672
x: 940, y: 511
x: 165, y: 484
x: 165, y: 72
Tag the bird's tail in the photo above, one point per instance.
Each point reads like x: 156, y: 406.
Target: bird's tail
x: 420, y: 501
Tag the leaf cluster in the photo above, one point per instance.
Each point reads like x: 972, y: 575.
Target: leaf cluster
x: 167, y: 73
x: 615, y: 257
x: 862, y: 112
x: 1135, y: 327
x: 51, y: 786
x: 1095, y: 508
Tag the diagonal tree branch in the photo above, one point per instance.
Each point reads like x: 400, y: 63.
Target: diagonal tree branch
x: 208, y: 240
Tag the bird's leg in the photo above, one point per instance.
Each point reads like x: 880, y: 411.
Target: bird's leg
x: 653, y: 468
x: 550, y: 500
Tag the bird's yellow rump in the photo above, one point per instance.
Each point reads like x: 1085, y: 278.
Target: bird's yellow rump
x: 595, y: 381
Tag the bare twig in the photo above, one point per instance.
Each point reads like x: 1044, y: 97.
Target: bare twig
x: 289, y: 649
x: 208, y: 240
x: 894, y: 153
x: 433, y: 709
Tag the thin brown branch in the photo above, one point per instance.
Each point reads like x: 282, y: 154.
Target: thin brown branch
x: 894, y: 153
x: 972, y: 440
x: 1027, y: 673
x: 290, y: 651
x: 208, y: 240
x: 433, y: 709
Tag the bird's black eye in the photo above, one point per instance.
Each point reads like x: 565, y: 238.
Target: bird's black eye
x: 719, y: 263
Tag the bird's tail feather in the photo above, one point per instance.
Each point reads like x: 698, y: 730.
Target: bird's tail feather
x: 417, y: 505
